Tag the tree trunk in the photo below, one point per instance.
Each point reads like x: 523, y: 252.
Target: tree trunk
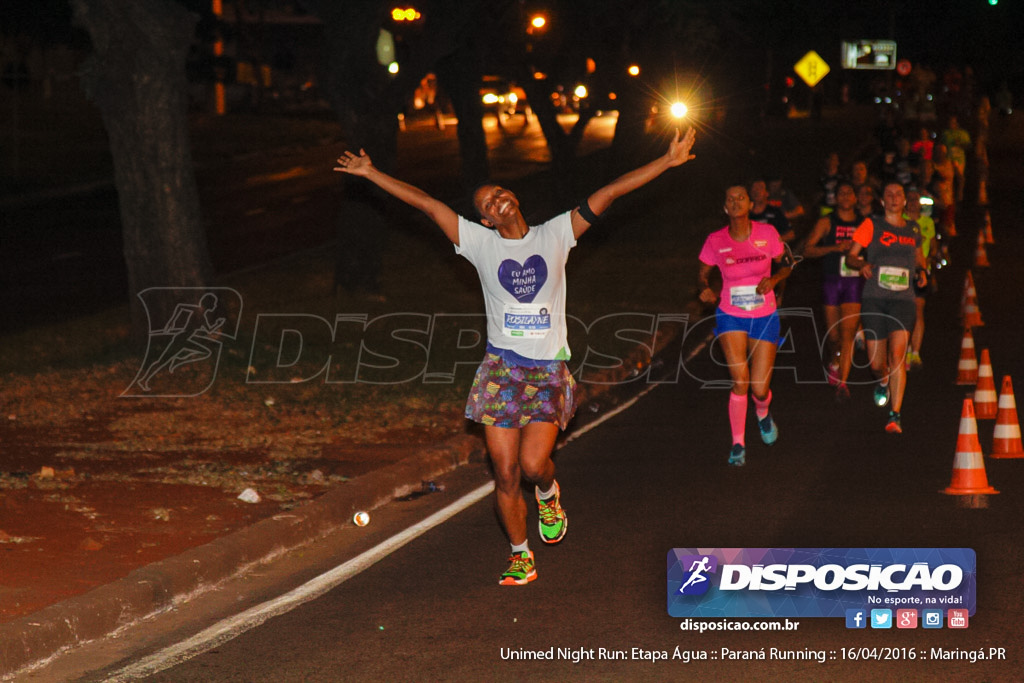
x: 630, y: 128
x: 352, y: 79
x: 460, y: 76
x: 136, y: 76
x: 354, y: 83
x: 367, y: 100
x: 562, y: 145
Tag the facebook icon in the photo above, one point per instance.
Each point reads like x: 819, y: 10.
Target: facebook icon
x: 856, y: 618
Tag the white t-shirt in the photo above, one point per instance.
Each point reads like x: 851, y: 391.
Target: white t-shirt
x: 524, y: 285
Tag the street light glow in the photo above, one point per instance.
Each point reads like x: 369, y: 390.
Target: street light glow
x: 405, y: 14
x: 393, y: 68
x: 633, y: 70
x: 678, y: 109
x: 538, y: 21
x: 580, y: 91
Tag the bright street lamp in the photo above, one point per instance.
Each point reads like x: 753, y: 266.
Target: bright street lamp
x: 538, y: 24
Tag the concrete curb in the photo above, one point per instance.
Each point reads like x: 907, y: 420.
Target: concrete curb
x: 30, y: 641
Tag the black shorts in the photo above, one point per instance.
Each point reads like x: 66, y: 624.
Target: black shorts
x: 882, y: 317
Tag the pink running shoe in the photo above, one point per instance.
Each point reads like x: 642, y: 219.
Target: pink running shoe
x: 833, y: 375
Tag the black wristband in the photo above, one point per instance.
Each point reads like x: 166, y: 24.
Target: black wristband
x: 585, y: 212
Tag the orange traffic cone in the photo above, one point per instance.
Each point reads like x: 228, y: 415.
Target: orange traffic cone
x: 985, y: 401
x: 980, y: 255
x: 970, y: 312
x: 967, y: 369
x: 1006, y: 442
x: 969, y: 476
x: 988, y: 229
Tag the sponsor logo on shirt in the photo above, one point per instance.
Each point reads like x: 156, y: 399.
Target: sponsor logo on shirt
x: 744, y: 259
x: 888, y: 239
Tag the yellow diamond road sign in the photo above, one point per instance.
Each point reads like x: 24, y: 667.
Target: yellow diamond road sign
x: 812, y: 68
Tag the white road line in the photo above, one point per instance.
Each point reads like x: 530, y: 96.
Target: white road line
x: 607, y: 416
x: 235, y: 626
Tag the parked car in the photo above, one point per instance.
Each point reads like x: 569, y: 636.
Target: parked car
x: 506, y: 101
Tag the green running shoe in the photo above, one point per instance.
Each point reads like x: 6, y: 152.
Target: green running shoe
x: 881, y: 395
x: 521, y: 570
x: 738, y: 455
x: 552, y: 521
x: 769, y: 432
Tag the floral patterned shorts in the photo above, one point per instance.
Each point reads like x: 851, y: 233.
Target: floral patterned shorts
x: 512, y: 396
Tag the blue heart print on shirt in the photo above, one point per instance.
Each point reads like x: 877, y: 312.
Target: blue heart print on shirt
x: 523, y: 280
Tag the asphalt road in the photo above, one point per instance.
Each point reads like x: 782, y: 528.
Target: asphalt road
x: 654, y: 478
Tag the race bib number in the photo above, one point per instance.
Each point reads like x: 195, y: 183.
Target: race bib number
x: 746, y: 297
x: 893, y: 279
x: 847, y: 272
x: 526, y: 321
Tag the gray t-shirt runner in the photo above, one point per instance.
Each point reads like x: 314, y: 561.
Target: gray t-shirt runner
x: 892, y: 253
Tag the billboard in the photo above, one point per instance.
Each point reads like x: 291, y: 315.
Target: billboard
x: 869, y: 54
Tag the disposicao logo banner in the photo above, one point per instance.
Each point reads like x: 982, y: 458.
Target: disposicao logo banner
x: 817, y: 582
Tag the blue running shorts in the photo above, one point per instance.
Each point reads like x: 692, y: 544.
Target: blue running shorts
x: 765, y: 328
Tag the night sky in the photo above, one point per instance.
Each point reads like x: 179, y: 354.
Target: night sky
x: 937, y: 33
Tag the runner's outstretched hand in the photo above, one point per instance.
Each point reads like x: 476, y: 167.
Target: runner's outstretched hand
x: 679, y: 149
x: 356, y: 165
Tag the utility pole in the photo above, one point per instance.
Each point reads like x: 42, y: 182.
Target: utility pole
x: 218, y: 52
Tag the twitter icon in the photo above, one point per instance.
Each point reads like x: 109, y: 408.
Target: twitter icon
x: 881, y: 618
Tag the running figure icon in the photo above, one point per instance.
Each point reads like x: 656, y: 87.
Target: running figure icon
x: 192, y: 332
x: 697, y: 570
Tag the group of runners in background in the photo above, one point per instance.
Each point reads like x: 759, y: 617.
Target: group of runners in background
x: 872, y: 268
x: 877, y: 242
